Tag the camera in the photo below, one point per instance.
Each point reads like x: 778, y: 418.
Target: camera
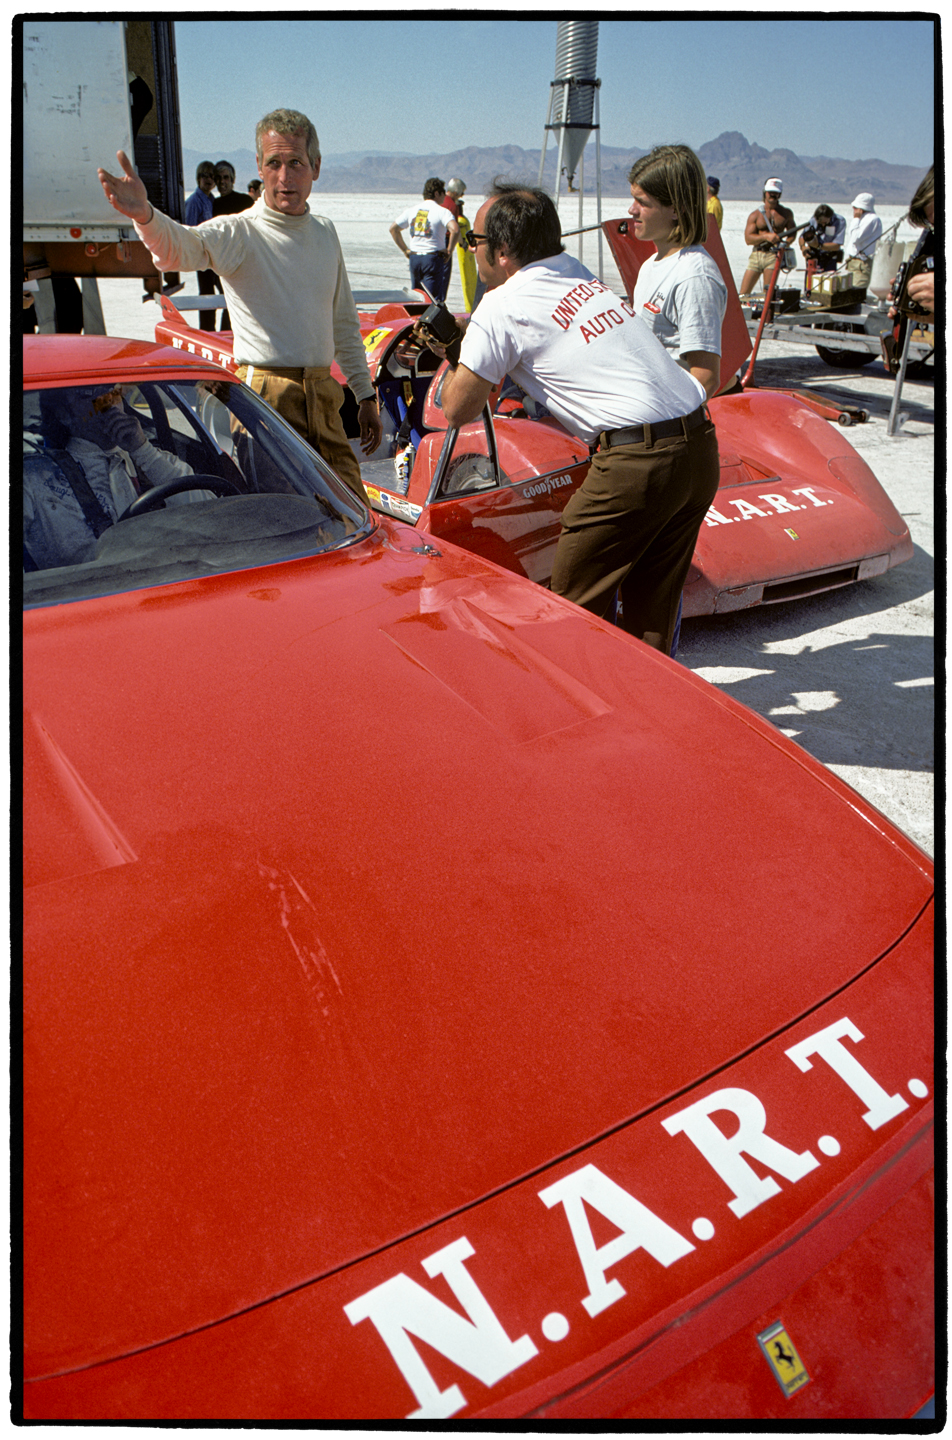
x: 439, y: 320
x: 900, y: 285
x: 922, y: 260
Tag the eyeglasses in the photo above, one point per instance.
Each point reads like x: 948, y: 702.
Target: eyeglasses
x: 472, y: 239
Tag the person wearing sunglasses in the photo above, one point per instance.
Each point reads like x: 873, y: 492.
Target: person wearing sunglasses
x: 575, y: 347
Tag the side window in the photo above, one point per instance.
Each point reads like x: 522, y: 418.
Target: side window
x: 33, y: 439
x: 167, y: 424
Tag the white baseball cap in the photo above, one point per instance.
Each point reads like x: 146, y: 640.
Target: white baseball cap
x: 775, y: 185
x: 863, y: 201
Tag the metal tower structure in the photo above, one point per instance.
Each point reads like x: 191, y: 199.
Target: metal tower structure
x: 574, y: 113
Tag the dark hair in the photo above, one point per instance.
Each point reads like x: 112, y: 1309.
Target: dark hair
x: 824, y: 210
x: 525, y: 220
x: 919, y: 201
x: 673, y: 175
x: 433, y: 187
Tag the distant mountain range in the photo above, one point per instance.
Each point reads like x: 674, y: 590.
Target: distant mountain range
x: 740, y: 166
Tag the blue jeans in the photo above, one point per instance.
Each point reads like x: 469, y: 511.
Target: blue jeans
x: 432, y: 272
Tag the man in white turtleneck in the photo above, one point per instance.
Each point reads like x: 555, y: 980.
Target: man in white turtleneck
x: 288, y: 295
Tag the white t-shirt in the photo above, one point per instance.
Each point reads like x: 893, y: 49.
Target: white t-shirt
x: 576, y: 348
x: 862, y: 235
x: 427, y: 224
x: 682, y: 298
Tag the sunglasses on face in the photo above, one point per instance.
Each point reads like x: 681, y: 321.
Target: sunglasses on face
x: 472, y: 239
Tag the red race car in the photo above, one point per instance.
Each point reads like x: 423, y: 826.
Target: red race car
x: 437, y: 1003
x: 798, y: 510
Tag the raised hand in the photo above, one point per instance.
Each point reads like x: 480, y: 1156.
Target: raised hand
x: 120, y: 427
x: 126, y: 192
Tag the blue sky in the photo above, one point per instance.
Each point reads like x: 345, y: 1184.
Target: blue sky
x: 855, y: 88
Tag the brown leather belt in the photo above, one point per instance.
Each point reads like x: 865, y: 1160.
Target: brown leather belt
x: 648, y: 434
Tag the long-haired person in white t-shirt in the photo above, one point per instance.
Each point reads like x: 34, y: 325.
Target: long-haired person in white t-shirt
x: 680, y: 293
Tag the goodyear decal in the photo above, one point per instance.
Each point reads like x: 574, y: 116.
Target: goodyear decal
x: 373, y: 339
x: 546, y: 485
x: 449, y: 1309
x: 778, y: 505
x: 781, y: 1355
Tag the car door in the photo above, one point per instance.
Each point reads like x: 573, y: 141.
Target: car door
x: 497, y: 487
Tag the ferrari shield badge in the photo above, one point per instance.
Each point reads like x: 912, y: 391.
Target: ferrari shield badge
x: 781, y: 1355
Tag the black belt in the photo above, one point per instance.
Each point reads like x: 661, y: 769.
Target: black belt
x: 648, y: 434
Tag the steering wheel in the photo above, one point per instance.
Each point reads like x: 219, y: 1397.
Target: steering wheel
x: 152, y: 499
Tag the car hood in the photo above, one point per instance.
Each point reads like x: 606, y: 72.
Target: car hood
x: 361, y: 887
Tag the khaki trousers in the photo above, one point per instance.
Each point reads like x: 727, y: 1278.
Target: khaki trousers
x: 861, y: 270
x: 310, y: 401
x: 633, y: 524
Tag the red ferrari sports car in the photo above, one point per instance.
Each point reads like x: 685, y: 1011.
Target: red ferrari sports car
x: 437, y: 1003
x: 798, y: 511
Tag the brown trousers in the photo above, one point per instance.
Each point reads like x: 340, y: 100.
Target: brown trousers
x: 633, y: 524
x: 310, y: 401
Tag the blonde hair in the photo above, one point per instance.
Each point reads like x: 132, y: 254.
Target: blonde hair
x: 673, y: 175
x: 289, y: 122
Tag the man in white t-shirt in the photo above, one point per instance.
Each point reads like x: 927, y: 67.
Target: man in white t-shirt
x: 432, y: 232
x: 578, y: 349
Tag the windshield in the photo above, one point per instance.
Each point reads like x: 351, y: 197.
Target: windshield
x: 131, y: 485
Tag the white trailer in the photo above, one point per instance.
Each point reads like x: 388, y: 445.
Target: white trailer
x: 90, y: 88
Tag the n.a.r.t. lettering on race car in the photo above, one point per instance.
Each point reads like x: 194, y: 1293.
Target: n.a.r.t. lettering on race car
x: 401, y: 1308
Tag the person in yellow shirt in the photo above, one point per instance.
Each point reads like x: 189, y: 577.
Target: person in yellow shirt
x: 455, y: 191
x: 714, y: 206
